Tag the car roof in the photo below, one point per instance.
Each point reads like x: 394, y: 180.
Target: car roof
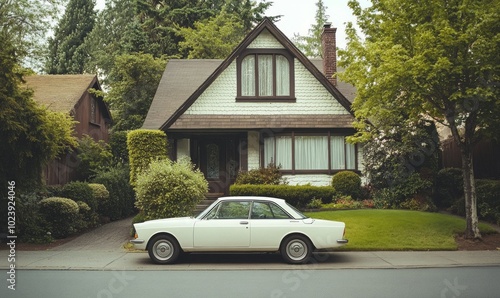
x: 252, y: 198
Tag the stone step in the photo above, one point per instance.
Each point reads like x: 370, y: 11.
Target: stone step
x: 209, y: 199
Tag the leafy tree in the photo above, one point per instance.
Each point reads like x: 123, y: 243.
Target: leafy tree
x: 92, y: 157
x: 436, y: 59
x: 133, y: 83
x: 212, y: 38
x: 24, y: 23
x: 67, y: 52
x: 311, y: 45
x: 31, y: 135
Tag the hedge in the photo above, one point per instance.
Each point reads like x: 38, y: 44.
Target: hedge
x: 80, y: 191
x: 296, y: 195
x: 61, y: 214
x: 145, y: 146
x: 121, y: 195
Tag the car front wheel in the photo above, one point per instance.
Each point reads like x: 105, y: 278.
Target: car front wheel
x: 164, y: 249
x: 296, y: 249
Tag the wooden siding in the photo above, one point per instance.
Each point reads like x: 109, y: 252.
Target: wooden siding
x: 486, y: 158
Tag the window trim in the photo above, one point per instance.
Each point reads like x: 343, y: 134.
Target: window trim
x: 256, y: 97
x: 294, y: 171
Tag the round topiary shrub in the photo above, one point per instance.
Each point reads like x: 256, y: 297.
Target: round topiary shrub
x: 169, y: 189
x: 61, y: 214
x: 347, y: 183
x: 79, y: 191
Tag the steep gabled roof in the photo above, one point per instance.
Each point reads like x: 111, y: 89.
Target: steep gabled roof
x: 194, y: 88
x: 60, y: 93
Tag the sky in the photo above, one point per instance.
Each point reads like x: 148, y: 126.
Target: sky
x: 298, y: 15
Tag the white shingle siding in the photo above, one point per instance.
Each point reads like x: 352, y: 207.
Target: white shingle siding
x: 315, y: 180
x: 265, y: 40
x: 312, y: 98
x: 253, y: 150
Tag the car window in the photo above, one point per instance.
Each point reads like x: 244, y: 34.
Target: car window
x: 266, y: 210
x: 230, y: 210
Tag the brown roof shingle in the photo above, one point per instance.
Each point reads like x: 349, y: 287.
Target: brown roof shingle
x: 262, y: 121
x: 59, y: 93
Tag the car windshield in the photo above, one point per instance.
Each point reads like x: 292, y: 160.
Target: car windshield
x: 301, y: 216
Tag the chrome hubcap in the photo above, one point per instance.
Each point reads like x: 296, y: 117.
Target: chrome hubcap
x: 163, y: 249
x: 297, y: 249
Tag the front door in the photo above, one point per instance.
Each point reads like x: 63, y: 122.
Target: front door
x: 219, y: 163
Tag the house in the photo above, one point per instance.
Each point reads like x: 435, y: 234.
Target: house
x: 70, y: 94
x: 266, y: 102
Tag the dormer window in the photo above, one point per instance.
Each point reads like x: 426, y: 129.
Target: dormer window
x: 265, y: 75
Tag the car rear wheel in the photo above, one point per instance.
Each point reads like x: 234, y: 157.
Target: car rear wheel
x: 164, y: 249
x: 296, y: 249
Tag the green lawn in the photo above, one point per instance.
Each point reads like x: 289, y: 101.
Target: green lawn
x: 375, y: 229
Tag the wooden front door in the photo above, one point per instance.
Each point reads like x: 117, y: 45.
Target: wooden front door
x: 218, y: 160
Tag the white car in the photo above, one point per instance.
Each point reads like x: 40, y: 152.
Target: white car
x: 240, y: 224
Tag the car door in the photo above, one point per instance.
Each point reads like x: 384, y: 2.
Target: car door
x: 225, y: 227
x: 270, y: 224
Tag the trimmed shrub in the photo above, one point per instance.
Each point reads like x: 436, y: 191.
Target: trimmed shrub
x: 79, y: 191
x: 488, y: 199
x: 270, y: 175
x: 297, y: 195
x: 30, y: 224
x: 121, y: 195
x: 448, y: 187
x: 61, y: 215
x: 145, y: 146
x: 392, y: 197
x: 347, y: 183
x: 169, y: 189
x: 87, y: 218
x: 101, y: 194
x: 118, y: 145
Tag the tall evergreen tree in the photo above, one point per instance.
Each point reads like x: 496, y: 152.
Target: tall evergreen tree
x: 109, y: 37
x: 67, y: 51
x: 310, y: 45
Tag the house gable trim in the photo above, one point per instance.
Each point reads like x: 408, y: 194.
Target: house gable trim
x: 265, y: 24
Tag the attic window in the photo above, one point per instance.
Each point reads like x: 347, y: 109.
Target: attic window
x: 265, y: 75
x: 93, y: 110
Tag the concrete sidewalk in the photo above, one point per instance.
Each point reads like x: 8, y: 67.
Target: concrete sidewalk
x: 122, y: 260
x: 102, y: 249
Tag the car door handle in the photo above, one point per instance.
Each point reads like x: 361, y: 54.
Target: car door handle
x: 243, y: 222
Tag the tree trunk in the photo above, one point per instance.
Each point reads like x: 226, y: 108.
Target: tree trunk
x: 472, y: 227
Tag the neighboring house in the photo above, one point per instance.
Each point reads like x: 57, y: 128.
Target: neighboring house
x: 485, y: 154
x: 264, y: 103
x: 70, y: 94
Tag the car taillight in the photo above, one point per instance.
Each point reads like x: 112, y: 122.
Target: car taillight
x: 135, y: 236
x: 344, y: 233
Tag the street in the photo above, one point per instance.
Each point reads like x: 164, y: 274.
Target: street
x: 303, y: 282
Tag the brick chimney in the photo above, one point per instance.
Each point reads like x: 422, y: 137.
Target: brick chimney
x: 329, y: 48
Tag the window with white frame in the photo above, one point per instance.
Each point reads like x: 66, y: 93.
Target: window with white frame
x: 321, y: 153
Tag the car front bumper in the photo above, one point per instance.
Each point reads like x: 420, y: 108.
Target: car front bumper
x: 138, y: 243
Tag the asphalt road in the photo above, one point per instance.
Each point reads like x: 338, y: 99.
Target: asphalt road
x: 416, y: 282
